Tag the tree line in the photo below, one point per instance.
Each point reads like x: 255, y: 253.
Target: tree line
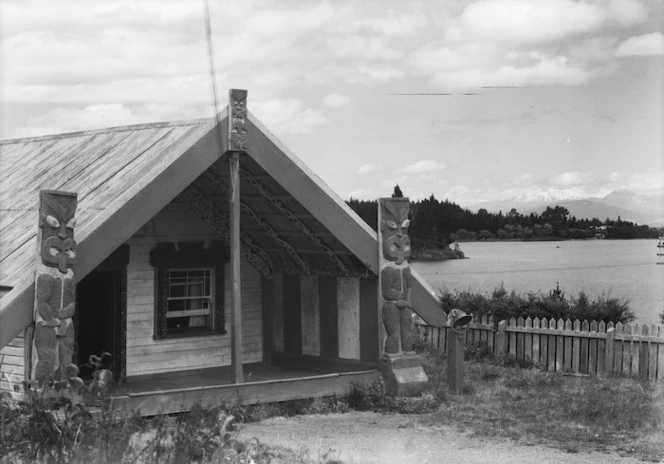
x: 435, y: 223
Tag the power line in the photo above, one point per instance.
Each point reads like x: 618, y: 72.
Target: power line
x: 213, y: 75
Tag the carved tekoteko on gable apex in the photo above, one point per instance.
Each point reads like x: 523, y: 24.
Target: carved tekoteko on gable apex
x: 237, y: 120
x: 55, y: 287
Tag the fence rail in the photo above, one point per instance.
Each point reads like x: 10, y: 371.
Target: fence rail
x: 593, y: 348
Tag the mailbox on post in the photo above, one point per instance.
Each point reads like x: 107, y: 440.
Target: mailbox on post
x: 459, y: 322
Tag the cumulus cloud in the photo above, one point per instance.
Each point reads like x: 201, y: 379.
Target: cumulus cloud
x: 527, y: 21
x: 424, y: 167
x: 366, y: 168
x: 335, y: 100
x: 641, y: 45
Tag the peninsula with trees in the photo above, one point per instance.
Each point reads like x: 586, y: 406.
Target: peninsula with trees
x: 437, y: 224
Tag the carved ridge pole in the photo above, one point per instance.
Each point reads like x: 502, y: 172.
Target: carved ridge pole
x: 237, y: 142
x: 400, y: 366
x: 55, y: 289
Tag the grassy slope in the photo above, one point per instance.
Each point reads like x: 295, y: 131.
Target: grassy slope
x: 572, y: 413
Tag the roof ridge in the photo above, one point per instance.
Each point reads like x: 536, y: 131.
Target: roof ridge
x: 108, y: 130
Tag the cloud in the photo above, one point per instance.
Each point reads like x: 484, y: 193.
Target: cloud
x: 396, y: 24
x: 572, y: 178
x: 642, y: 45
x: 335, y: 100
x: 288, y: 116
x: 424, y: 167
x: 526, y: 21
x: 366, y: 168
x: 360, y: 193
x: 98, y: 116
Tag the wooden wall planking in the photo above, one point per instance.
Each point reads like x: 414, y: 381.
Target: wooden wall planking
x: 310, y: 315
x: 348, y: 300
x: 369, y: 325
x: 12, y: 367
x: 145, y: 355
x: 327, y: 303
x: 292, y: 307
x: 278, y: 311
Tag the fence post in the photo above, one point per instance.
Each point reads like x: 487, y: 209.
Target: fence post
x: 609, y: 351
x: 501, y: 338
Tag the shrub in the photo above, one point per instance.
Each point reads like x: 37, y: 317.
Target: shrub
x: 503, y: 305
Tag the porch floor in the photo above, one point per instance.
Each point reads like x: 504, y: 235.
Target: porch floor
x: 179, y: 391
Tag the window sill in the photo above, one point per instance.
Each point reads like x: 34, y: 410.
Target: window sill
x: 191, y: 334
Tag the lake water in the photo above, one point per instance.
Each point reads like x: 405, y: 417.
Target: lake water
x: 619, y: 268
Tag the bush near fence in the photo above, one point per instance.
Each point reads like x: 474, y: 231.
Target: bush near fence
x: 592, y: 348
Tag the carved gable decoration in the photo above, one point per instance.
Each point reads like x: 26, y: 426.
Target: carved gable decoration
x: 237, y: 120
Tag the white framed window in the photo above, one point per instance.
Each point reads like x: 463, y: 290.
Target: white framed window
x: 189, y: 288
x: 190, y: 298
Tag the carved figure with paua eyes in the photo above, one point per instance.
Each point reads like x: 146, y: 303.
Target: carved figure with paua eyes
x: 394, y: 227
x: 55, y: 287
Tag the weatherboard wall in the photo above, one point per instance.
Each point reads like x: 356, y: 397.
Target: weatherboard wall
x: 147, y: 355
x: 328, y: 317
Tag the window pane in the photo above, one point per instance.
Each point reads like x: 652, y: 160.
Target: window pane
x: 189, y: 302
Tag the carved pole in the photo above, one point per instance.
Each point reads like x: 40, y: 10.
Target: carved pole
x: 237, y: 142
x: 55, y: 287
x: 395, y: 274
x: 400, y: 366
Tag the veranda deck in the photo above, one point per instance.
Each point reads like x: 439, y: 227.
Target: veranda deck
x: 178, y: 392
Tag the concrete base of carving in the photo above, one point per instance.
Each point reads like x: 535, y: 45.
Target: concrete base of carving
x: 403, y: 374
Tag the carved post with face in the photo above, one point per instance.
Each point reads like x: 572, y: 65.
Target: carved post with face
x: 395, y: 274
x: 55, y: 287
x: 400, y: 367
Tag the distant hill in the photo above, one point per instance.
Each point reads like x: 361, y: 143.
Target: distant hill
x: 641, y: 209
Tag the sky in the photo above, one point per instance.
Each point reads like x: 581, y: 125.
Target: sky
x: 470, y: 101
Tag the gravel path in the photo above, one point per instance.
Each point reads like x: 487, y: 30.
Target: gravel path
x: 365, y: 438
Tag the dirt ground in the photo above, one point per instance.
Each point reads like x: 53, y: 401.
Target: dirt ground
x: 365, y: 438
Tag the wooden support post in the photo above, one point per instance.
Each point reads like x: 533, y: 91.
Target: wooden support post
x: 236, y: 283
x: 237, y: 142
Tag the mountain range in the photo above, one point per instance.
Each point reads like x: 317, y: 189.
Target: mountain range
x: 629, y: 206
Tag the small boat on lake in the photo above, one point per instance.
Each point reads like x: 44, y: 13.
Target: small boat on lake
x: 660, y: 250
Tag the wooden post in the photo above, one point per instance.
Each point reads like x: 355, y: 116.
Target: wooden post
x: 501, y: 338
x: 609, y: 351
x: 237, y: 142
x: 236, y: 294
x: 455, y: 362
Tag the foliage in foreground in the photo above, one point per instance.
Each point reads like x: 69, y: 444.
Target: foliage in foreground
x: 40, y: 430
x: 503, y: 305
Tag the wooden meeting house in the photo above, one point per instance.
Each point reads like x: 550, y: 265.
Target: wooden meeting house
x: 210, y: 263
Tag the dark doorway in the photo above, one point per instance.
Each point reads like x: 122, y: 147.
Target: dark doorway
x: 98, y: 329
x: 101, y: 315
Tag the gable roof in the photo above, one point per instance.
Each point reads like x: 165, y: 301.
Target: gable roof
x: 125, y: 175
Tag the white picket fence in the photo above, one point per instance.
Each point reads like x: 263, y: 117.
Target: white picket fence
x: 595, y: 348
